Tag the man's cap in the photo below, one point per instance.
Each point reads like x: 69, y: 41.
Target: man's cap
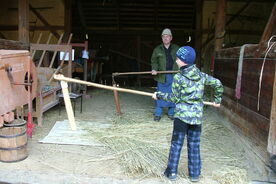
x: 166, y: 31
x: 186, y: 54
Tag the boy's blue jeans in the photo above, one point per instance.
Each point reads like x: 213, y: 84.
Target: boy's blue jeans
x: 180, y: 130
x: 159, y: 110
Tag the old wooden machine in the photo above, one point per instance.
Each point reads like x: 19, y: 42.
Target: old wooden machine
x: 18, y: 81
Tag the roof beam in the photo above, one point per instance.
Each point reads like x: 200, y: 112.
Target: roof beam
x: 44, y: 21
x: 31, y: 28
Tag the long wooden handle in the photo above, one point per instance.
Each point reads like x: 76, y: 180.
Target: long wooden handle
x: 140, y: 73
x: 68, y: 105
x: 67, y: 79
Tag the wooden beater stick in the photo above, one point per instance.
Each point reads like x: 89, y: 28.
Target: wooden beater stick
x: 67, y: 79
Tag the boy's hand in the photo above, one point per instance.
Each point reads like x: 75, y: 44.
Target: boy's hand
x: 154, y: 96
x: 153, y: 72
x: 216, y: 105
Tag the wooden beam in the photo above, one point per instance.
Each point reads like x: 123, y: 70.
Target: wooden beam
x: 238, y: 12
x: 146, y: 32
x: 31, y: 28
x: 11, y: 44
x: 270, y: 28
x: 220, y: 24
x: 268, y: 32
x: 23, y: 21
x: 51, y: 47
x: 44, y: 21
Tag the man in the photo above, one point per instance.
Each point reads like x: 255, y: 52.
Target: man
x: 162, y: 59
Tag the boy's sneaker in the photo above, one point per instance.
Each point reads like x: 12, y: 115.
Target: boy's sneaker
x: 171, y: 117
x: 157, y: 118
x: 194, y: 179
x: 170, y: 176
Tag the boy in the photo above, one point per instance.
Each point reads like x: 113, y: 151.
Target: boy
x: 187, y: 94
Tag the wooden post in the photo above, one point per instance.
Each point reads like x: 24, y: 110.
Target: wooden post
x: 220, y: 24
x: 68, y: 105
x: 23, y: 21
x: 117, y: 102
x: 271, y: 145
x: 198, y: 37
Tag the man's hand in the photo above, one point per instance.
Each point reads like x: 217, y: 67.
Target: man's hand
x: 153, y: 72
x: 216, y: 105
x: 154, y: 96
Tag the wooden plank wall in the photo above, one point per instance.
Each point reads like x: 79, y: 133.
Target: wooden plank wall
x: 253, y: 123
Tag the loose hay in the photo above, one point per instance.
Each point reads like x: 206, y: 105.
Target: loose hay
x: 141, y: 147
x: 230, y: 175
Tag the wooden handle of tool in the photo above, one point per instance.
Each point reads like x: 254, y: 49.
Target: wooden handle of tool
x: 140, y: 73
x: 68, y: 105
x: 67, y: 79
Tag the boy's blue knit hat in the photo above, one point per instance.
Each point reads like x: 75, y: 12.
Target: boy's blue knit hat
x: 186, y: 54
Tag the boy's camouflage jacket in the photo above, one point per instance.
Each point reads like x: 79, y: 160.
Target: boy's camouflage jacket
x: 187, y: 94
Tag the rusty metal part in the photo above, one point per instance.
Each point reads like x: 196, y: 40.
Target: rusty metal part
x: 8, y: 69
x: 3, y: 67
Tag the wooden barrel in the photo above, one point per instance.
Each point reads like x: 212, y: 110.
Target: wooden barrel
x: 15, y: 123
x: 13, y: 144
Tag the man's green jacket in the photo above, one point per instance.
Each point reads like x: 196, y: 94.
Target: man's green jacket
x: 158, y: 61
